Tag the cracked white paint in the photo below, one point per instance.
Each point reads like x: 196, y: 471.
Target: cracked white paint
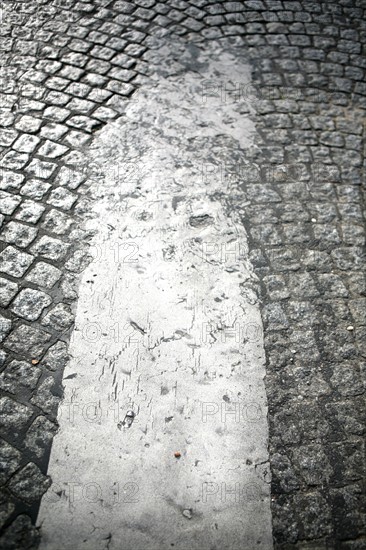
x: 167, y: 352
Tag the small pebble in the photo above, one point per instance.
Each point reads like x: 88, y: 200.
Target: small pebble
x: 187, y: 514
x: 350, y: 328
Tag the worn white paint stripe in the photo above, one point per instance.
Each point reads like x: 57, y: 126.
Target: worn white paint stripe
x: 167, y: 352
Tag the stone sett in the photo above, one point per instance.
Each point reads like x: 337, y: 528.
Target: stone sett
x: 8, y: 202
x: 10, y: 461
x: 8, y: 289
x: 28, y: 124
x: 41, y: 169
x: 39, y: 435
x: 43, y: 275
x: 30, y: 303
x: 60, y: 318
x: 50, y: 248
x: 29, y: 211
x: 5, y: 326
x: 35, y: 189
x: 29, y: 483
x: 19, y: 234
x: 14, y: 416
x: 45, y: 397
x: 11, y: 181
x: 19, y: 372
x: 28, y: 341
x: 56, y: 357
x: 13, y: 262
x: 62, y: 198
x: 26, y: 143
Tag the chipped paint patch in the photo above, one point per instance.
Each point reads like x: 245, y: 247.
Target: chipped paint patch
x: 163, y: 432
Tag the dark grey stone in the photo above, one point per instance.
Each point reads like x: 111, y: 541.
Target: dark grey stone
x: 27, y: 341
x: 30, y: 303
x: 29, y: 483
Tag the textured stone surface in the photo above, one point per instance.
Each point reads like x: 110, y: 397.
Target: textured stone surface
x: 27, y: 341
x: 59, y: 318
x: 19, y: 234
x: 56, y: 357
x: 10, y: 461
x: 19, y: 373
x: 8, y: 202
x: 8, y: 289
x: 40, y: 435
x: 46, y: 397
x: 5, y: 326
x: 29, y: 483
x: 44, y: 274
x: 14, y: 262
x: 20, y: 534
x: 50, y: 248
x: 30, y: 303
x: 14, y: 416
x: 309, y: 97
x: 29, y: 211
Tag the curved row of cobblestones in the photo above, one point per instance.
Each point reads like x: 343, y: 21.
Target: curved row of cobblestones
x: 68, y: 68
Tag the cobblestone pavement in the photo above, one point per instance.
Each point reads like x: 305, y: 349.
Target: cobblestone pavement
x: 68, y: 68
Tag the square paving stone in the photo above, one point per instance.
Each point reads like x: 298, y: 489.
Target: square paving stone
x: 8, y: 202
x: 57, y: 222
x: 81, y: 106
x: 62, y: 198
x: 43, y: 274
x: 41, y: 169
x: 30, y: 211
x: 56, y: 357
x: 39, y: 435
x: 28, y: 124
x: 7, y: 137
x: 30, y: 303
x: 13, y: 415
x: 77, y: 139
x: 26, y: 143
x: 57, y: 114
x: 8, y: 289
x: 52, y: 150
x: 59, y: 318
x: 29, y: 483
x: 53, y: 131
x: 69, y: 177
x: 10, y: 181
x: 13, y: 262
x: 46, y: 398
x: 83, y: 123
x: 19, y: 234
x: 19, y: 372
x: 5, y: 326
x: 35, y: 189
x: 30, y: 342
x: 10, y: 461
x: 50, y: 248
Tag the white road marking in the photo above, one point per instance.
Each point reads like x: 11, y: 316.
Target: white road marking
x: 163, y: 430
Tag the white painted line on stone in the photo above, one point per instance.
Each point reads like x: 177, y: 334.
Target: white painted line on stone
x: 163, y: 430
